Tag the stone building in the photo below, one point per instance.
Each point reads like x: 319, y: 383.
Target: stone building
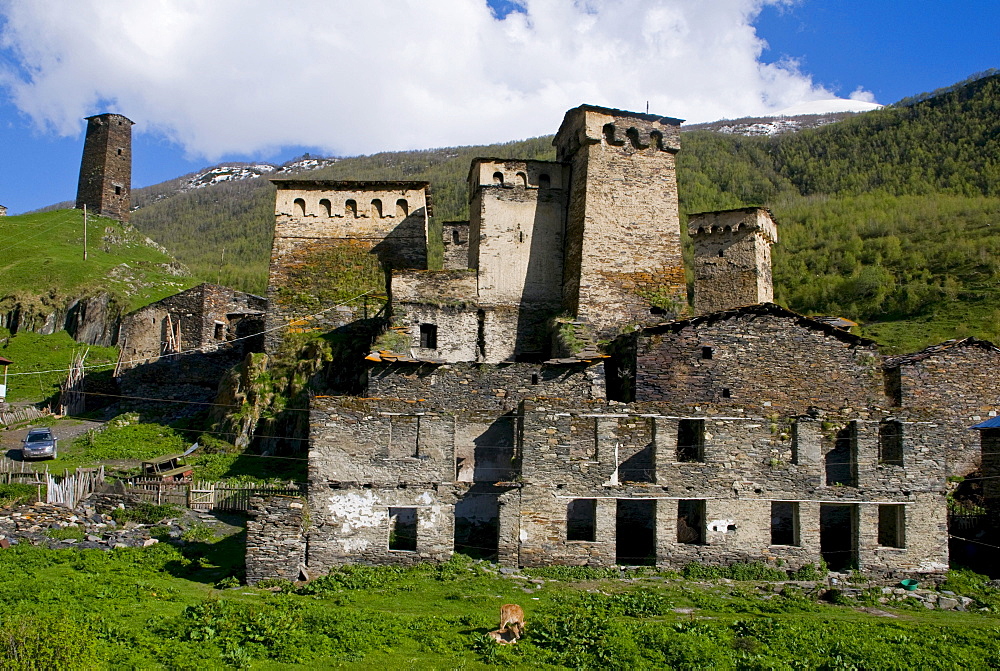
x: 3, y: 211
x: 106, y: 169
x: 202, y: 318
x: 547, y: 396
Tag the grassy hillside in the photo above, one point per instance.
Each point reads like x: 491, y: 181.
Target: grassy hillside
x: 41, y: 259
x: 885, y: 217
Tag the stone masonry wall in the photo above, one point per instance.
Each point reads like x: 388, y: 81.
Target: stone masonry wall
x: 954, y: 385
x: 623, y: 249
x: 105, y: 184
x: 760, y: 357
x: 747, y: 464
x: 732, y: 258
x: 334, y: 241
x: 276, y: 544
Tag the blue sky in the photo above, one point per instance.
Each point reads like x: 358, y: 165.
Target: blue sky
x: 257, y: 80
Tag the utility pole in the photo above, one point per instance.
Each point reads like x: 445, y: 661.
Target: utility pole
x: 84, y: 231
x: 218, y: 277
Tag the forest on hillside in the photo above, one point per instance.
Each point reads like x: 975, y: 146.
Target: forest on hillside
x: 888, y: 217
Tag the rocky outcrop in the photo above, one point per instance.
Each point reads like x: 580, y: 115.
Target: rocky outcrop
x: 89, y: 319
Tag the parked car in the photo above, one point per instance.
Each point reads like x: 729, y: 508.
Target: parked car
x: 39, y: 443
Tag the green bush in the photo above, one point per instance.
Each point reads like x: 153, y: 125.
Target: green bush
x: 739, y: 571
x: 144, y: 513
x: 11, y: 494
x: 65, y: 533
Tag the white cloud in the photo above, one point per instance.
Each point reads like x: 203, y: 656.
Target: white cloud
x: 862, y: 95
x: 245, y: 76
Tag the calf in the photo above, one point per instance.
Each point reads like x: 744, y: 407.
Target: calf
x: 512, y: 614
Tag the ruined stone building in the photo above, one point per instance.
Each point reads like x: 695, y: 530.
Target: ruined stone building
x: 548, y: 397
x: 106, y: 169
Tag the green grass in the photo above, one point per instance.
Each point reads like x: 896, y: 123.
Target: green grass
x: 42, y: 256
x: 33, y: 354
x: 159, y: 607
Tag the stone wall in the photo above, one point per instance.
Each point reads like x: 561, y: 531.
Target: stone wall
x: 748, y: 463
x: 623, y: 248
x: 205, y: 318
x: 953, y: 385
x: 105, y: 184
x: 758, y: 357
x: 455, y: 238
x: 469, y: 386
x: 276, y: 542
x: 444, y: 301
x: 732, y: 258
x: 335, y: 241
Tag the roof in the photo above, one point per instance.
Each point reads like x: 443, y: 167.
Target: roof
x: 991, y: 423
x: 4, y: 361
x: 346, y: 184
x: 906, y: 359
x: 770, y: 309
x: 617, y: 112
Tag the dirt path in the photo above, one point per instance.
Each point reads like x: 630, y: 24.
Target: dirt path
x: 64, y: 429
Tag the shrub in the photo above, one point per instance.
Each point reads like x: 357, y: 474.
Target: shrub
x: 144, y: 513
x: 66, y: 533
x: 16, y: 492
x: 740, y: 571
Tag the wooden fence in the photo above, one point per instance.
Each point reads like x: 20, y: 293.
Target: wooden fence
x: 73, y: 486
x: 204, y: 495
x: 21, y: 415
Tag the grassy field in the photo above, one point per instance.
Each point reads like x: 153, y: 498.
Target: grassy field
x: 182, y: 608
x: 42, y: 361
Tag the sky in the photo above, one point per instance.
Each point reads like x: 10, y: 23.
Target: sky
x: 255, y: 80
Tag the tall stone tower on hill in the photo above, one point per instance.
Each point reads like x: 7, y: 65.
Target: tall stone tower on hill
x: 623, y: 239
x: 106, y: 170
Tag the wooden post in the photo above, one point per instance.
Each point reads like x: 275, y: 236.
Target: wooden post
x: 84, y: 231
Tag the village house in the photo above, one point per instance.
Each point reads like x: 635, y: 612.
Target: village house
x: 548, y: 397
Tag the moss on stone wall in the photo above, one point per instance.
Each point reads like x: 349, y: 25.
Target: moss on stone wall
x: 326, y: 273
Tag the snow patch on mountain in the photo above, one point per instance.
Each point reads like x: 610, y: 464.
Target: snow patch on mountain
x: 241, y: 171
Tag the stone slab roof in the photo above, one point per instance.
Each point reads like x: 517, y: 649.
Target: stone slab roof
x: 769, y: 309
x: 933, y: 350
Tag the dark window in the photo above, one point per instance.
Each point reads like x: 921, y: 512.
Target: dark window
x: 635, y: 532
x: 522, y: 179
x: 403, y: 529
x: 534, y: 378
x: 325, y: 207
x: 402, y: 208
x: 429, y: 336
x: 691, y: 521
x: 377, y: 208
x: 706, y: 352
x: 722, y: 254
x: 119, y: 152
x: 890, y: 443
x: 544, y: 181
x: 351, y: 208
x: 842, y: 461
x: 498, y: 178
x: 220, y: 330
x: 299, y: 206
x: 118, y: 191
x: 891, y: 526
x: 581, y: 520
x: 454, y: 237
x: 894, y: 385
x: 838, y: 537
x: 691, y: 440
x: 784, y: 523
x: 726, y: 393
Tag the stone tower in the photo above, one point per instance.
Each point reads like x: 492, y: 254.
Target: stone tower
x: 732, y: 258
x: 106, y: 170
x: 623, y: 243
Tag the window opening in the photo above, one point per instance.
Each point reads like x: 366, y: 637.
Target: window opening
x: 544, y: 181
x: 691, y: 440
x: 581, y: 520
x: 609, y: 135
x: 894, y: 386
x: 838, y: 535
x: 706, y: 352
x: 534, y: 378
x: 377, y: 208
x: 454, y: 237
x: 892, y: 526
x: 842, y: 459
x: 498, y: 178
x: 635, y: 532
x: 890, y: 443
x: 784, y: 523
x: 726, y: 393
x: 325, y: 207
x: 403, y: 529
x: 691, y: 521
x: 299, y: 205
x: 351, y: 208
x: 429, y: 336
x: 522, y: 179
x: 220, y: 330
x: 118, y: 191
x: 402, y: 208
